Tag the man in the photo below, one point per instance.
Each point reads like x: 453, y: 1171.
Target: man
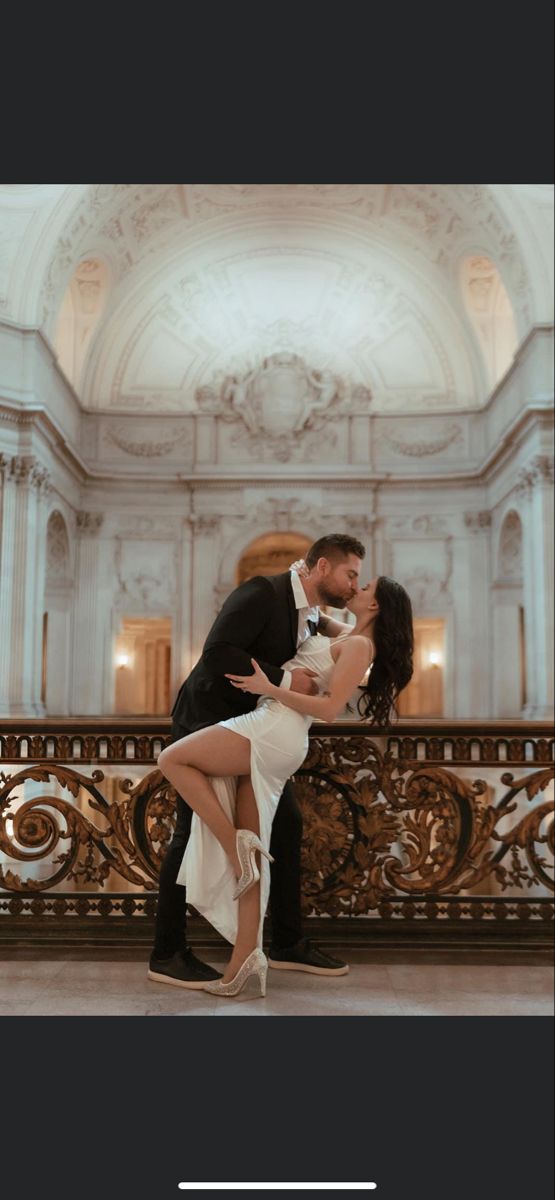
x: 266, y: 618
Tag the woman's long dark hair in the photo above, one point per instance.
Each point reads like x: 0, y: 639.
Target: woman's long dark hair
x: 393, y: 639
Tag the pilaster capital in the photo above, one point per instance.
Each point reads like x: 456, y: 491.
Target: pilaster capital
x: 360, y: 526
x: 89, y: 524
x: 26, y: 471
x: 477, y: 522
x: 538, y: 470
x: 204, y: 523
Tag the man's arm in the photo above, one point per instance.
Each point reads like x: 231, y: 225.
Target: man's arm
x: 242, y: 618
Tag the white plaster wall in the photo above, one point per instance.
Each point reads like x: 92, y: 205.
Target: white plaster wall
x: 155, y: 530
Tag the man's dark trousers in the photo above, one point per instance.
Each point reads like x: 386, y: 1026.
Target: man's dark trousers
x: 285, y: 875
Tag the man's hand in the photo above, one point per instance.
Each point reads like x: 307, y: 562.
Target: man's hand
x: 303, y: 682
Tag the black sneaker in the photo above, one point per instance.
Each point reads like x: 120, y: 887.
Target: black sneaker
x: 183, y: 969
x: 305, y: 956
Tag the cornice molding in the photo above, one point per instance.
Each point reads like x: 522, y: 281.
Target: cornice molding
x: 16, y: 414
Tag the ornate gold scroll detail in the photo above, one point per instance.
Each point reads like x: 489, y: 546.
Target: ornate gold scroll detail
x: 378, y: 829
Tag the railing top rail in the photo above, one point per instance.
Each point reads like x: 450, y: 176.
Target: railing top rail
x: 160, y: 726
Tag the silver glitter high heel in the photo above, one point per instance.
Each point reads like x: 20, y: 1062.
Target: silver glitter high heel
x: 247, y: 844
x: 250, y: 978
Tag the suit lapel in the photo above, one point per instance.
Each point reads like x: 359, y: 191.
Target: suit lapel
x: 284, y: 591
x: 293, y: 615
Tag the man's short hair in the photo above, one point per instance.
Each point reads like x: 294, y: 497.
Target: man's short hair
x: 334, y: 547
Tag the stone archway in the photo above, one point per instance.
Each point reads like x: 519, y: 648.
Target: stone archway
x: 271, y: 553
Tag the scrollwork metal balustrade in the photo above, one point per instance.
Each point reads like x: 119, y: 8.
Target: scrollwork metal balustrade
x: 429, y: 831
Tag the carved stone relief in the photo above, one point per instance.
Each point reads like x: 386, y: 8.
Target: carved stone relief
x: 26, y: 471
x: 57, y: 551
x: 426, y: 524
x: 416, y: 447
x: 89, y: 524
x: 424, y: 566
x: 279, y: 403
x: 539, y: 470
x: 477, y: 522
x: 140, y: 528
x: 146, y: 576
x: 175, y: 440
x: 510, y: 547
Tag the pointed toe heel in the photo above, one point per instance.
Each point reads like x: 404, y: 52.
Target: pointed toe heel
x: 247, y: 844
x: 250, y: 978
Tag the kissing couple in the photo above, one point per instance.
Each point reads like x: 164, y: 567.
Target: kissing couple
x: 271, y: 664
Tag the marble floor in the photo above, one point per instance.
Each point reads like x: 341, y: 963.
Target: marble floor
x: 398, y: 983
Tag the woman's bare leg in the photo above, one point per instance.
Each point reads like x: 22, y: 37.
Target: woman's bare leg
x: 187, y: 764
x: 246, y: 817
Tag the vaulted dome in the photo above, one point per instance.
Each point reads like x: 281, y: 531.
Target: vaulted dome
x: 149, y: 292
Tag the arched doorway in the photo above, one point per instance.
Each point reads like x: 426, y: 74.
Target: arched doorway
x: 270, y: 554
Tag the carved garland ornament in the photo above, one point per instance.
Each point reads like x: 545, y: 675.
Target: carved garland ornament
x: 149, y: 449
x: 413, y: 449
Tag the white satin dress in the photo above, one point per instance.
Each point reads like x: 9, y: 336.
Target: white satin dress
x: 279, y: 744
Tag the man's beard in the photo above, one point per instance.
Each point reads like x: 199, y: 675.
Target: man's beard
x: 326, y: 596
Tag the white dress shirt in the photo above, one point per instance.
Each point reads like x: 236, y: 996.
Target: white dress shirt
x: 306, y: 612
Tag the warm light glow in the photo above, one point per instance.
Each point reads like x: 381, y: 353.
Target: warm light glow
x: 434, y: 658
x: 122, y: 660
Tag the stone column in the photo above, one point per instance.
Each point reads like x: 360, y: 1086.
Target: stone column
x: 88, y: 650
x: 182, y: 652
x: 535, y: 489
x: 471, y: 577
x: 204, y: 575
x: 24, y: 561
x: 7, y: 548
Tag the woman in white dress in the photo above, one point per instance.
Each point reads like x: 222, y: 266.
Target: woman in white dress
x: 233, y: 773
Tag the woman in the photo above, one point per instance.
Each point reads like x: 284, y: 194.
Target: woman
x: 260, y: 750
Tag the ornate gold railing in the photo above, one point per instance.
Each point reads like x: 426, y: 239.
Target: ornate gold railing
x: 430, y: 831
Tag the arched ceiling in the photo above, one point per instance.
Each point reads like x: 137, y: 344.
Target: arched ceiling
x: 207, y: 280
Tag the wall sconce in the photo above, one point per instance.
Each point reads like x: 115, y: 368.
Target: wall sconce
x: 434, y: 658
x: 122, y: 661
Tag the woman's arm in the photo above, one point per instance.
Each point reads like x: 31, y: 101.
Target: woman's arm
x: 353, y: 660
x: 332, y: 628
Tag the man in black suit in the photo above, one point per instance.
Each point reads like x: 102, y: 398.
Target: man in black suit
x: 266, y: 618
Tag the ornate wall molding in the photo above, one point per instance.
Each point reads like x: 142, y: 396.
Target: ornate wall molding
x: 510, y: 549
x: 420, y: 449
x: 58, y: 573
x: 431, y: 525
x: 281, y: 401
x: 142, y: 528
x: 177, y: 438
x: 146, y: 575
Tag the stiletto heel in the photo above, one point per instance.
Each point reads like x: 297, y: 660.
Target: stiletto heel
x: 247, y: 844
x: 251, y: 978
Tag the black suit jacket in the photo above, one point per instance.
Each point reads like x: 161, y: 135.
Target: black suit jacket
x: 259, y: 620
